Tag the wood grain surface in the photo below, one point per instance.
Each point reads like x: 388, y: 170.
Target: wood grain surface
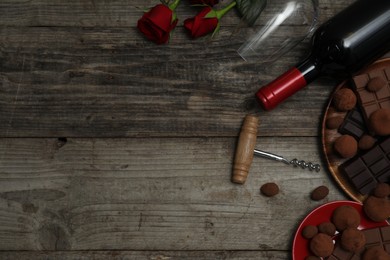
x: 112, y: 147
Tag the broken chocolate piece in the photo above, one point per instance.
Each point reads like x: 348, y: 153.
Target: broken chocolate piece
x: 353, y: 124
x: 364, y: 172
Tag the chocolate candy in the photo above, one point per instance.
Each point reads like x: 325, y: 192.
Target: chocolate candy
x: 378, y: 237
x: 365, y: 171
x: 372, y: 101
x: 341, y: 254
x: 353, y: 124
x: 374, y: 237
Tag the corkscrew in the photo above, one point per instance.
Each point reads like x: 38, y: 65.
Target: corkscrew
x: 295, y: 162
x: 246, y: 150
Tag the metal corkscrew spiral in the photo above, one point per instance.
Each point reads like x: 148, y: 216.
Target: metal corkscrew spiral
x: 311, y: 166
x: 295, y: 162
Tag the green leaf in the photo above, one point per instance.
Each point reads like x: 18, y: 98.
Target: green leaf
x: 250, y: 10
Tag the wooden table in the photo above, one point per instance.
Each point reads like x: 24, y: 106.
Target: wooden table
x: 113, y: 147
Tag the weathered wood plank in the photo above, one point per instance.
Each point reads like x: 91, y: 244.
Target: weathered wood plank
x: 151, y: 194
x: 147, y: 255
x: 90, y: 82
x: 117, y: 13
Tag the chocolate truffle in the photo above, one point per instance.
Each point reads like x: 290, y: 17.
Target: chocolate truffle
x: 319, y: 193
x: 321, y: 245
x: 352, y: 240
x: 380, y: 121
x: 382, y: 190
x: 375, y: 253
x: 345, y: 216
x: 376, y: 209
x: 344, y: 99
x: 334, y: 122
x: 327, y: 228
x: 269, y: 189
x: 375, y: 84
x: 346, y: 146
x: 366, y: 142
x: 309, y: 231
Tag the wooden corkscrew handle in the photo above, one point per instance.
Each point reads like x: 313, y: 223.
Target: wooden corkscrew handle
x: 245, y: 147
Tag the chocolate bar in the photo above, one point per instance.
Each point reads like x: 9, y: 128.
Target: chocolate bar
x: 365, y: 171
x: 353, y: 124
x: 374, y: 237
x: 341, y: 254
x: 378, y: 237
x: 371, y: 101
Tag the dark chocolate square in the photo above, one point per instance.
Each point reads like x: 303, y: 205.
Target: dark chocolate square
x: 365, y: 171
x: 353, y: 124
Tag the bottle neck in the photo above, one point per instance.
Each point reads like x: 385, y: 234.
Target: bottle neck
x: 269, y: 96
x: 310, y: 69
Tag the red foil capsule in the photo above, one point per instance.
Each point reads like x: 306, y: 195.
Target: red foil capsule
x: 281, y: 88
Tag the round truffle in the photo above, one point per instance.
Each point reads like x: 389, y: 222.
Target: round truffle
x: 375, y: 253
x: 344, y: 99
x: 334, y: 122
x: 375, y: 84
x: 345, y: 217
x: 380, y: 121
x: 366, y: 142
x: 382, y: 190
x: 309, y: 231
x: 269, y: 189
x: 346, y: 146
x: 376, y: 209
x: 319, y: 193
x: 321, y: 245
x: 327, y: 228
x: 352, y: 240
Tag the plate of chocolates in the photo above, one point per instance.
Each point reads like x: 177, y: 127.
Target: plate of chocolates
x: 356, y: 131
x: 346, y: 230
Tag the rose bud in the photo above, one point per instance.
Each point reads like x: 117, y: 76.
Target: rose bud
x: 158, y: 22
x: 206, y: 21
x: 204, y: 2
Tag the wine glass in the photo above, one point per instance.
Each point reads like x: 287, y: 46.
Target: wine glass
x: 281, y: 26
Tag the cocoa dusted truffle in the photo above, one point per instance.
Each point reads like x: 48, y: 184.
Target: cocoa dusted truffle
x: 269, y: 189
x: 380, y: 121
x: 375, y: 253
x: 344, y: 99
x: 309, y: 231
x: 375, y: 84
x: 334, y: 122
x: 352, y: 240
x: 346, y: 146
x: 319, y: 193
x: 376, y: 209
x: 382, y: 190
x: 366, y: 142
x: 345, y: 216
x: 321, y: 245
x: 327, y: 228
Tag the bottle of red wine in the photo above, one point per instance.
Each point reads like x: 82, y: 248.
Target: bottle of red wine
x: 352, y: 39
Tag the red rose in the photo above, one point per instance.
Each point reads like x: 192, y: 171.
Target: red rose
x: 157, y: 23
x: 204, y: 2
x: 206, y: 21
x: 203, y: 23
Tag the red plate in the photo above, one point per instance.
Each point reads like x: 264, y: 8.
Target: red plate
x: 323, y: 214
